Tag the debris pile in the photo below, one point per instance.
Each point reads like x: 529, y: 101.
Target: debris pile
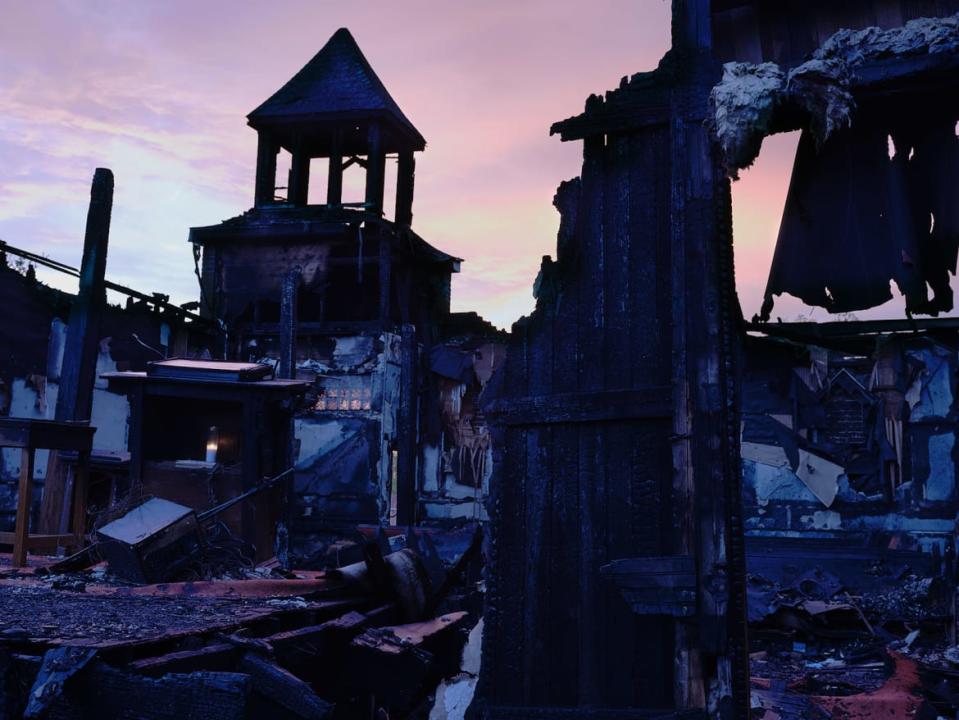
x: 876, y: 643
x: 368, y: 639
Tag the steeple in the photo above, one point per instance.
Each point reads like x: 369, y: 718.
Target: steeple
x: 335, y: 107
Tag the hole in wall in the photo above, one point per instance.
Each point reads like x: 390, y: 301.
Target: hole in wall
x: 284, y: 161
x: 319, y: 177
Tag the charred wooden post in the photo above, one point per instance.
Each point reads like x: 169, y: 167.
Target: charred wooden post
x: 291, y: 285
x: 385, y: 273
x: 406, y: 432
x: 406, y: 171
x: 75, y: 396
x: 266, y: 152
x: 78, y: 375
x: 706, y: 467
x: 635, y: 327
x: 299, y: 174
x: 375, y: 168
x: 334, y: 186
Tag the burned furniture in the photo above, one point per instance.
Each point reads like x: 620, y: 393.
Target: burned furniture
x: 202, y: 432
x: 29, y: 436
x: 143, y: 545
x: 344, y: 644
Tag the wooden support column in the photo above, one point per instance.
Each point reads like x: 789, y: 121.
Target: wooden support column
x: 706, y: 467
x: 406, y: 482
x: 81, y: 487
x: 266, y: 151
x: 386, y: 272
x: 375, y: 168
x: 334, y: 187
x: 24, y: 498
x: 299, y: 175
x: 78, y: 374
x: 75, y: 396
x: 291, y: 284
x: 404, y: 188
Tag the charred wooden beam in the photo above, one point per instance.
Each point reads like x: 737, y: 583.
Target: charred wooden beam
x: 284, y: 689
x: 406, y: 436
x: 334, y: 186
x: 100, y: 690
x: 393, y: 663
x: 266, y: 151
x: 288, y: 301
x: 215, y: 657
x: 656, y: 585
x: 75, y: 396
x: 376, y: 168
x: 584, y: 407
x: 406, y: 172
x: 299, y: 184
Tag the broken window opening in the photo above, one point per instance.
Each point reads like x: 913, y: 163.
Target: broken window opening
x: 391, y: 176
x: 319, y: 171
x: 284, y: 165
x: 354, y: 181
x: 849, y: 200
x: 759, y: 196
x: 347, y: 394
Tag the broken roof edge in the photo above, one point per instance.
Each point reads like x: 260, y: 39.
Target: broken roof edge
x: 838, y: 330
x: 434, y: 253
x: 264, y: 222
x: 639, y: 100
x: 470, y: 326
x: 755, y: 100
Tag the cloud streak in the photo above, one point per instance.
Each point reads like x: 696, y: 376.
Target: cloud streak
x: 158, y: 91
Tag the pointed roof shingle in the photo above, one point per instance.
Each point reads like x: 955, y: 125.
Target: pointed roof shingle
x: 338, y: 81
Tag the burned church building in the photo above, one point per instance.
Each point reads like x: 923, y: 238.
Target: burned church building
x: 637, y: 503
x: 337, y: 292
x: 340, y: 290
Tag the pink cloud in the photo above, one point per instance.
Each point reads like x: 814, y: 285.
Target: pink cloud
x: 159, y: 93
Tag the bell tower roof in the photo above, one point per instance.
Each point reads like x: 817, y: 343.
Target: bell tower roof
x: 336, y: 87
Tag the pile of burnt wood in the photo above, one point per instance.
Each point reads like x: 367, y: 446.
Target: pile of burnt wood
x: 372, y: 638
x: 852, y: 632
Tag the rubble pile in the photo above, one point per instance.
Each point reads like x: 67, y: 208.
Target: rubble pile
x: 374, y: 638
x: 877, y: 642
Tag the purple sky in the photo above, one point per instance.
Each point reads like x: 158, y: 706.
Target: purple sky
x: 159, y: 91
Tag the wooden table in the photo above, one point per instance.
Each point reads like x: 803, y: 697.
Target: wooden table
x: 31, y: 435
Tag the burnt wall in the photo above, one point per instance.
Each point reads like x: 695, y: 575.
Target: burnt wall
x: 853, y: 444
x: 32, y: 344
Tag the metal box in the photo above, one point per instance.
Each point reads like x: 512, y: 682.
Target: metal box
x: 151, y: 542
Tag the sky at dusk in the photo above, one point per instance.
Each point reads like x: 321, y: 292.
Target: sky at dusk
x: 159, y: 91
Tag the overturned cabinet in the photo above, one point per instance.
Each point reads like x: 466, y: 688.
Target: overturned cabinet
x: 202, y: 432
